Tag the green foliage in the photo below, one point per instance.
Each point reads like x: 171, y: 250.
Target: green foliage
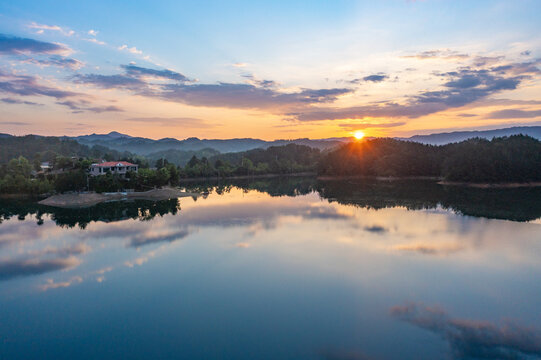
x: 509, y: 159
x: 286, y: 159
x: 71, y: 181
x: 180, y: 157
x: 382, y: 157
x: 19, y: 167
x: 106, y: 183
x: 48, y: 148
x: 21, y: 185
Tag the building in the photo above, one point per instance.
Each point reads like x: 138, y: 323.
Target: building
x: 114, y: 167
x: 45, y: 166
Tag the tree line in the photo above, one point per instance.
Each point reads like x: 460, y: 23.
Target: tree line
x: 515, y: 158
x: 500, y: 160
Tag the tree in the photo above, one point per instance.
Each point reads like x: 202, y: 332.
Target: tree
x: 19, y: 166
x: 161, y: 163
x: 194, y: 161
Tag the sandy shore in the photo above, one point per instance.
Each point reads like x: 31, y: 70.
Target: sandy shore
x: 90, y: 199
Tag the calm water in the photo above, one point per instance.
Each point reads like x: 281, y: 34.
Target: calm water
x: 277, y: 269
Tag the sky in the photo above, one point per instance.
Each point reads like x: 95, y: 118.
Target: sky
x: 269, y: 70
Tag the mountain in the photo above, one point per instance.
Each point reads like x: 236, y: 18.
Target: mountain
x: 457, y: 136
x: 145, y: 146
x: 180, y: 157
x: 47, y: 148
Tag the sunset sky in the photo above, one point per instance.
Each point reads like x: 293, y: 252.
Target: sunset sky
x: 280, y: 69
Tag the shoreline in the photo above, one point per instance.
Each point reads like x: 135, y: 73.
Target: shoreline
x: 87, y: 199
x: 90, y: 199
x: 378, y: 178
x: 241, y: 177
x: 490, y: 185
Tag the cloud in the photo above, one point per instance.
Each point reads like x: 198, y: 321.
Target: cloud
x: 75, y: 249
x: 473, y: 339
x: 132, y: 50
x: 139, y: 261
x: 82, y: 105
x: 12, y: 45
x: 258, y: 82
x: 375, y: 78
x: 514, y: 114
x: 145, y: 239
x: 459, y: 88
x: 246, y: 96
x: 487, y: 60
x: 111, y: 81
x: 376, y: 229
x: 430, y: 249
x: 445, y: 54
x: 56, y: 60
x: 240, y: 64
x: 372, y: 78
x: 10, y: 269
x: 41, y: 27
x: 231, y: 95
x: 361, y: 126
x: 138, y: 71
x: 178, y: 121
x: 389, y: 109
x: 216, y: 95
x: 17, y: 101
x: 14, y: 123
x: 243, y: 245
x: 324, y: 213
x: 50, y: 284
x: 104, y: 270
x: 92, y: 32
x: 95, y: 41
x: 25, y: 85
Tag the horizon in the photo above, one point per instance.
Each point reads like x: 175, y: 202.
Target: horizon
x: 352, y: 136
x: 274, y: 71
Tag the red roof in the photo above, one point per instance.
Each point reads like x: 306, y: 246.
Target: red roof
x: 115, y: 163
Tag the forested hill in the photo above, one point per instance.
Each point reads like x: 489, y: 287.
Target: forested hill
x: 47, y: 148
x: 180, y: 157
x: 515, y: 158
x: 145, y: 146
x: 457, y: 136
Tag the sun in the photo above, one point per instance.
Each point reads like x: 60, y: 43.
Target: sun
x: 358, y: 134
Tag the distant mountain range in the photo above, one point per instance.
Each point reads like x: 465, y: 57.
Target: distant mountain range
x: 457, y: 136
x: 185, y: 148
x: 144, y: 146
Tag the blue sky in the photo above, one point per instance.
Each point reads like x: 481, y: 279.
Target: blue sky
x: 280, y: 69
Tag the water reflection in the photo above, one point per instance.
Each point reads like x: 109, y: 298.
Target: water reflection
x: 516, y: 204
x: 286, y: 268
x: 470, y: 339
x: 106, y: 212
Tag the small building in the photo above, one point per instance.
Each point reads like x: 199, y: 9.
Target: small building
x: 45, y: 166
x: 114, y: 167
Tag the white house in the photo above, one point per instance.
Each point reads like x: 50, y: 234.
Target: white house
x: 45, y: 166
x: 114, y: 167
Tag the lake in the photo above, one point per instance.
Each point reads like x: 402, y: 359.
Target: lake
x: 286, y: 268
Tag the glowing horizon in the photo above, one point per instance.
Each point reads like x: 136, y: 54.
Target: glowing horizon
x: 271, y: 71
